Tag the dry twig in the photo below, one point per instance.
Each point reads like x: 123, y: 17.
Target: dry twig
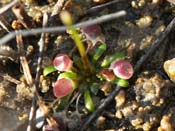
x: 37, y: 77
x: 9, y: 78
x: 58, y: 29
x: 4, y: 24
x: 8, y: 6
x: 22, y: 16
x: 41, y: 50
x: 26, y: 69
x: 23, y: 61
x: 57, y: 7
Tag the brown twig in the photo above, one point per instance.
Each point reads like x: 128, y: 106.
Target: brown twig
x: 100, y: 109
x: 41, y: 51
x: 28, y: 78
x: 57, y: 7
x: 27, y: 73
x: 58, y: 29
x: 22, y: 16
x: 23, y: 60
x: 8, y: 6
x: 10, y: 78
x: 4, y: 24
x: 155, y: 45
x: 37, y: 77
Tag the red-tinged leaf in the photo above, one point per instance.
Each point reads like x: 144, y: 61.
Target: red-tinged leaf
x: 93, y: 34
x: 107, y: 74
x: 122, y: 69
x: 62, y: 62
x: 63, y: 87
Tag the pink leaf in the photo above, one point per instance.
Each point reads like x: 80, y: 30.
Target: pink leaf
x: 122, y: 69
x: 62, y: 62
x: 63, y: 87
x: 94, y: 34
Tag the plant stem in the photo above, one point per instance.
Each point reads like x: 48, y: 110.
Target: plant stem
x: 75, y: 36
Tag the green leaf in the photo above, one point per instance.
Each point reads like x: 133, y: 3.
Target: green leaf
x: 88, y: 101
x: 99, y: 52
x: 49, y: 69
x: 109, y: 59
x: 100, y: 77
x: 69, y: 75
x: 121, y: 82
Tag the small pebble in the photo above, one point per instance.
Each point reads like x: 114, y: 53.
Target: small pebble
x: 160, y: 29
x: 170, y: 68
x: 145, y: 21
x: 40, y: 118
x: 119, y: 115
x: 155, y: 2
x: 30, y: 50
x: 106, y: 88
x: 141, y: 3
x: 147, y: 126
x: 134, y: 4
x: 137, y: 4
x: 100, y: 122
x: 147, y: 41
x: 137, y: 121
x: 99, y: 1
x: 120, y: 98
x: 165, y: 123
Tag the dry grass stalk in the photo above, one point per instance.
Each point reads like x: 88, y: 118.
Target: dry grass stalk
x: 22, y: 16
x: 57, y: 7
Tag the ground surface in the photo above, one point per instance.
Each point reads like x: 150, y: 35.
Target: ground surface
x: 148, y: 103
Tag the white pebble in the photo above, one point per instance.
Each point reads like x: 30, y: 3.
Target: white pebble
x: 40, y: 118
